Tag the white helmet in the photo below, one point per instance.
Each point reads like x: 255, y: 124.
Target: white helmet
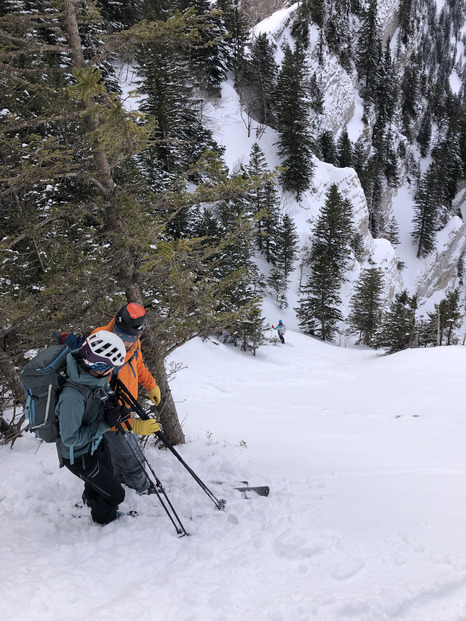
x: 103, y: 350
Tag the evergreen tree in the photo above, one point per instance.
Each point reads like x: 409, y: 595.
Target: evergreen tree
x: 410, y: 93
x: 344, y: 150
x: 360, y: 151
x: 334, y: 229
x: 406, y: 18
x: 250, y: 330
x: 398, y: 329
x: 285, y: 256
x: 119, y: 14
x: 235, y: 23
x: 315, y: 94
x: 386, y: 91
x: 156, y: 10
x: 369, y: 52
x: 338, y: 31
x: 263, y: 204
x: 316, y: 10
x: 327, y: 149
x: 367, y: 305
x: 271, y: 232
x: 442, y: 322
x: 318, y: 310
x: 204, y: 224
x: 212, y: 56
x: 279, y: 285
x: 393, y: 232
x: 180, y: 138
x: 425, y: 133
x: 287, y: 245
x: 236, y: 267
x: 292, y: 108
x: 371, y: 181
x: 300, y: 26
x: 425, y: 216
x: 259, y: 79
x: 391, y: 161
x: 446, y: 168
x: 462, y: 131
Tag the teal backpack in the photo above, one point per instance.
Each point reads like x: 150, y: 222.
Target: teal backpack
x: 43, y: 378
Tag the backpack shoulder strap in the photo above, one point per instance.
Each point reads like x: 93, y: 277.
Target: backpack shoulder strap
x: 129, y: 361
x: 85, y: 390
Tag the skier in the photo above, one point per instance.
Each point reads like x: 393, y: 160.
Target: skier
x: 281, y: 330
x: 84, y: 419
x: 129, y: 324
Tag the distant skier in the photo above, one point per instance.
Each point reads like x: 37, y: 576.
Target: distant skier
x: 281, y: 330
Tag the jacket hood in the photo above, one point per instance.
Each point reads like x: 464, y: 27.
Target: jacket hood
x: 109, y: 327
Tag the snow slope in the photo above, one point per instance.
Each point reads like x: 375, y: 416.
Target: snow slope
x: 365, y: 521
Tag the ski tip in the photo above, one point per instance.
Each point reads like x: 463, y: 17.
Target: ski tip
x: 261, y: 490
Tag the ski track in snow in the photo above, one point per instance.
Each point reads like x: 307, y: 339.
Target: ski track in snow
x: 364, y: 522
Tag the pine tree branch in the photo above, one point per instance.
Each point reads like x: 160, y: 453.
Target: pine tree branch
x: 29, y: 49
x: 29, y: 232
x: 35, y: 123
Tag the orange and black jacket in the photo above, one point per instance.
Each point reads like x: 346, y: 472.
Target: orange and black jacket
x: 134, y: 371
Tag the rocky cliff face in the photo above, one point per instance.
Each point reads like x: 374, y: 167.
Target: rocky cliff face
x: 429, y: 278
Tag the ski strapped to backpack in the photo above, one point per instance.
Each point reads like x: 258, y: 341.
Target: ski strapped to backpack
x: 43, y: 379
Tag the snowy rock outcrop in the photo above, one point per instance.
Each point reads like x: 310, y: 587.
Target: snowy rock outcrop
x: 338, y: 89
x: 375, y: 252
x: 441, y: 270
x: 350, y: 187
x: 387, y: 15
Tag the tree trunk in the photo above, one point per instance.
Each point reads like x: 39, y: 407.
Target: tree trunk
x: 167, y: 410
x: 125, y: 267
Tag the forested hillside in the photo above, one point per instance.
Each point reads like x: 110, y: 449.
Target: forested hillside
x: 198, y: 157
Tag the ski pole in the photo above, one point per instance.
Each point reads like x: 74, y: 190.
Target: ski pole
x: 159, y: 489
x: 128, y: 398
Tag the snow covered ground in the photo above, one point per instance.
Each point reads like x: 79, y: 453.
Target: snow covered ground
x: 365, y: 458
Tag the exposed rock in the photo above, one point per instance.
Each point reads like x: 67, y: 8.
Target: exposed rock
x: 441, y: 268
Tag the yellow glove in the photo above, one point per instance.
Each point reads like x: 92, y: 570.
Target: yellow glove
x: 145, y: 427
x: 154, y: 395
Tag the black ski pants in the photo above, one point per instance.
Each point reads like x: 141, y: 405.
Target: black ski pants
x: 102, y: 492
